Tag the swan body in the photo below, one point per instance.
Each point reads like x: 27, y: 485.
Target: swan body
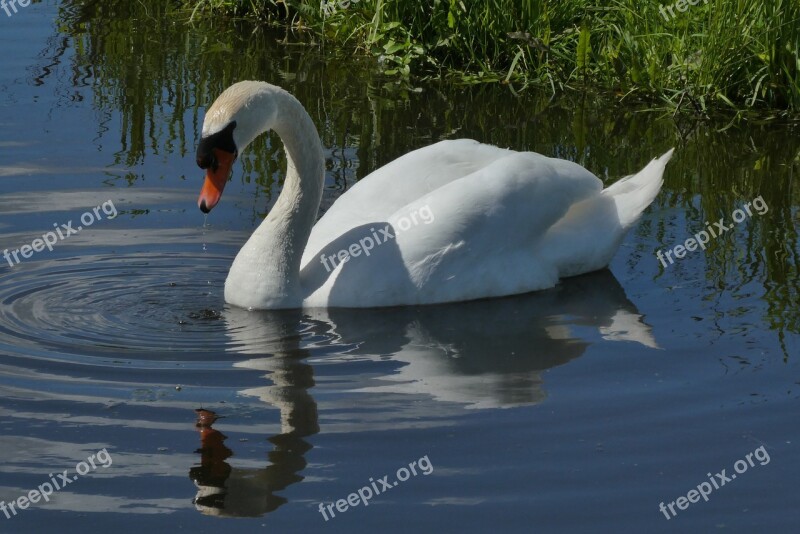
x: 457, y: 220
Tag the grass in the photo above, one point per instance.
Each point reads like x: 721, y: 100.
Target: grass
x: 739, y: 54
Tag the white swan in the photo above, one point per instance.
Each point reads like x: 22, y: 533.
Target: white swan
x: 454, y: 221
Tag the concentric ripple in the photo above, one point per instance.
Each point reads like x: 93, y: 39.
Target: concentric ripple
x: 131, y: 304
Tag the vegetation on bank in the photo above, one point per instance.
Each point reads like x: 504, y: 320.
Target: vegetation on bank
x: 737, y: 53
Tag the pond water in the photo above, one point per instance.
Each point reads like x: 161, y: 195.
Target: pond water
x: 578, y: 409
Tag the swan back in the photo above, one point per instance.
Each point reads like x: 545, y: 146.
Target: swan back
x: 485, y: 220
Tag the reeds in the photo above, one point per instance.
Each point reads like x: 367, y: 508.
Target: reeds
x: 742, y: 54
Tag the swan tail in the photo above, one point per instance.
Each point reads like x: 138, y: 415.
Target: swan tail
x: 634, y: 193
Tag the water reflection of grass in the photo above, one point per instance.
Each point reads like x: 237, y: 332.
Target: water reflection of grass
x: 157, y: 76
x: 741, y: 53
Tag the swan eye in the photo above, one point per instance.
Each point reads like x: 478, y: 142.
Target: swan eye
x: 222, y: 140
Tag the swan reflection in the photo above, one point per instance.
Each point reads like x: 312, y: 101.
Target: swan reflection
x: 223, y: 490
x: 476, y: 355
x: 228, y: 491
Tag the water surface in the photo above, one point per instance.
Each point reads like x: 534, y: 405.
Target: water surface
x: 577, y: 409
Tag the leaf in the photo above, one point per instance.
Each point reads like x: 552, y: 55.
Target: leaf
x: 583, y: 46
x: 391, y: 47
x: 513, y: 65
x: 451, y: 15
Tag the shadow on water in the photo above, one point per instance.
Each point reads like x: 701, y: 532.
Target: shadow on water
x: 478, y: 355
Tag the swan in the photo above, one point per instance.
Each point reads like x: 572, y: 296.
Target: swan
x: 454, y: 221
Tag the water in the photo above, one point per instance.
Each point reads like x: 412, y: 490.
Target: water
x: 576, y: 409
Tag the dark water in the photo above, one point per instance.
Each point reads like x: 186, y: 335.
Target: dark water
x: 579, y: 409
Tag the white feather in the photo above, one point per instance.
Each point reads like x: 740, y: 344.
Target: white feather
x: 454, y: 221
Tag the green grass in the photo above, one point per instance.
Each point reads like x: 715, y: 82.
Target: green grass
x: 740, y: 54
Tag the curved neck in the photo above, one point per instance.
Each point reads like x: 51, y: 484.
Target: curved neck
x: 266, y: 272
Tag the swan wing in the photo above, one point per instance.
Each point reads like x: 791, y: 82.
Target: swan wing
x: 461, y: 238
x: 395, y: 185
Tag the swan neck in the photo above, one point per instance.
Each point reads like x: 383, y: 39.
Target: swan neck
x: 302, y: 188
x: 300, y: 197
x: 266, y: 272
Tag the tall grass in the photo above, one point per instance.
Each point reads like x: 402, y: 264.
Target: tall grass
x: 736, y: 53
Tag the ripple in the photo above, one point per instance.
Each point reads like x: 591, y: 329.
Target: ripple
x: 138, y: 305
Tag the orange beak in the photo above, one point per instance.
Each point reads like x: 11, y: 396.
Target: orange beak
x: 215, y: 180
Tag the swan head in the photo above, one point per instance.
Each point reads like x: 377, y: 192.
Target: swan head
x: 216, y: 154
x: 239, y: 115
